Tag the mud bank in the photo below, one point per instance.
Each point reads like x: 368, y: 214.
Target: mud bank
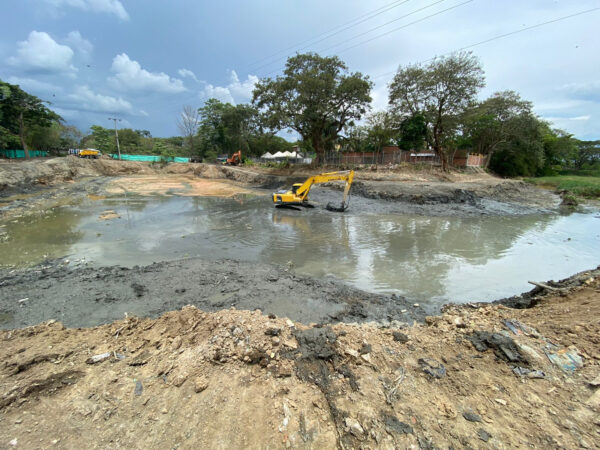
x: 81, y: 296
x: 393, y: 192
x: 240, y: 379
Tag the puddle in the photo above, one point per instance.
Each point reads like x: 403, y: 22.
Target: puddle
x: 432, y: 260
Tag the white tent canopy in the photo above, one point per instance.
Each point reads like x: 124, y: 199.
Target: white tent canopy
x: 267, y: 156
x: 278, y: 155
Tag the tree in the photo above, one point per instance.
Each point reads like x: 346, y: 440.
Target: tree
x: 587, y: 154
x: 495, y: 121
x: 412, y: 132
x: 379, y: 131
x: 522, y: 154
x: 440, y: 91
x: 225, y: 128
x: 188, y: 123
x: 20, y: 112
x: 316, y: 96
x: 102, y: 139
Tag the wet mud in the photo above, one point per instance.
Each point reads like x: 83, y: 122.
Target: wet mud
x: 88, y: 296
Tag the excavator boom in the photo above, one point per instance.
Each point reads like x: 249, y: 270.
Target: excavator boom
x: 298, y: 195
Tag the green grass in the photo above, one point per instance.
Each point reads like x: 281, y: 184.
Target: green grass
x: 583, y: 186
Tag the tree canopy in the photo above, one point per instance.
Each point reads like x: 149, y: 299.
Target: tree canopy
x: 440, y: 92
x: 316, y: 96
x: 20, y: 115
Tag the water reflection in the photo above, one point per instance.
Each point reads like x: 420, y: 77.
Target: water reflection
x: 430, y: 259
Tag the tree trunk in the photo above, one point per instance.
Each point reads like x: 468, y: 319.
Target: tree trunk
x: 22, y: 135
x: 488, y: 159
x: 320, y: 151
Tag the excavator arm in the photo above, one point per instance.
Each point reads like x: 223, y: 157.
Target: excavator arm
x: 298, y: 195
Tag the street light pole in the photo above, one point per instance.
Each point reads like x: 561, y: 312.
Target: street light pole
x: 116, y: 135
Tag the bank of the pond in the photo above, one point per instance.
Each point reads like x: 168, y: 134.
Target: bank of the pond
x: 478, y: 376
x: 81, y: 296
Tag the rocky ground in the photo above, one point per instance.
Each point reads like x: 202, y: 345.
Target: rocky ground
x: 477, y: 376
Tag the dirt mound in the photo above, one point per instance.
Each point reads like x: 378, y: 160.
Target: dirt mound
x: 238, y: 379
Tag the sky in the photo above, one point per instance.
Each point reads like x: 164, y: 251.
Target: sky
x: 142, y: 61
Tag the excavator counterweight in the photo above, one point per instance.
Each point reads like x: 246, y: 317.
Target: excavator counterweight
x: 298, y: 194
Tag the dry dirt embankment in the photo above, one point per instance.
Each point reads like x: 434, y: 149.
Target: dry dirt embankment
x: 475, y: 377
x: 403, y: 191
x: 26, y: 174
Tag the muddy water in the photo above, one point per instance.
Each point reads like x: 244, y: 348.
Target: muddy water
x: 432, y: 260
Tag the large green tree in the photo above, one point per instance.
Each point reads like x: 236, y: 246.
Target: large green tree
x: 441, y: 91
x: 495, y: 121
x: 21, y: 113
x: 316, y: 96
x: 587, y: 154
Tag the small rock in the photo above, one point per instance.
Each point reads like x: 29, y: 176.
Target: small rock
x: 483, y: 435
x: 400, y: 337
x: 176, y: 343
x: 13, y: 443
x: 139, y: 388
x: 289, y: 323
x: 273, y: 331
x: 366, y: 348
x: 416, y: 305
x: 501, y: 401
x: 275, y: 340
x: 200, y: 384
x: 354, y: 427
x: 366, y: 357
x: 17, y: 421
x: 179, y: 380
x: 164, y: 411
x: 432, y: 368
x: 471, y: 416
x: 351, y: 352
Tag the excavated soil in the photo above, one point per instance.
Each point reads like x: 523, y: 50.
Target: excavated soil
x: 474, y: 377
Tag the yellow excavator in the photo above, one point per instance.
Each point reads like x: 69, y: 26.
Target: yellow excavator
x: 298, y: 195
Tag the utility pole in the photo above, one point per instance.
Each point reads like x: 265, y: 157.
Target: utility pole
x: 116, y: 135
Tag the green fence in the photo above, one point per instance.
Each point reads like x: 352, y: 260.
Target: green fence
x: 15, y: 154
x: 149, y: 158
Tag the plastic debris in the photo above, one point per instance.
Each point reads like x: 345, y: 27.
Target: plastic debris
x: 520, y: 328
x: 567, y: 359
x: 525, y: 372
x: 98, y: 358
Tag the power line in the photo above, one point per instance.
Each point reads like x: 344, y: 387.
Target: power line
x: 391, y: 21
x: 362, y: 34
x: 404, y: 26
x: 365, y: 17
x: 395, y: 29
x: 500, y: 36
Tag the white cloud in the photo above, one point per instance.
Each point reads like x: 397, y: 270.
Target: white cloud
x: 83, y: 46
x: 35, y: 86
x: 585, y: 91
x: 42, y: 53
x: 98, y: 6
x: 129, y: 75
x: 235, y: 92
x: 84, y: 99
x: 187, y: 73
x: 583, y: 118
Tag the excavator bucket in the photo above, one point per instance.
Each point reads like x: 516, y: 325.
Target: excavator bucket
x: 331, y: 207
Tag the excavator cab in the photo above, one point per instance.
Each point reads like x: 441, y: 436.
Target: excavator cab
x: 298, y: 194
